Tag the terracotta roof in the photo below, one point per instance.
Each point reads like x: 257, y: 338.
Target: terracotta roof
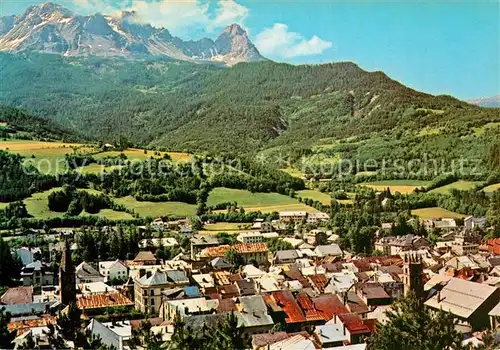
x: 145, y: 256
x: 493, y: 246
x: 18, y: 295
x: 263, y: 339
x: 95, y: 301
x: 287, y: 302
x: 23, y: 326
x: 213, y: 252
x: 329, y: 305
x: 353, y: 323
x: 320, y: 281
x: 308, y: 308
x: 246, y: 248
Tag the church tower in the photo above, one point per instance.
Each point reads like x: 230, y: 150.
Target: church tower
x: 413, y: 275
x: 67, y: 279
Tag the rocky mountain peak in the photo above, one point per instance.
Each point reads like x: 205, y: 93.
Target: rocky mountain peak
x: 51, y: 28
x: 234, y: 30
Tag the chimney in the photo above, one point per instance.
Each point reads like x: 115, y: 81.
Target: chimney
x: 148, y: 274
x: 439, y: 297
x: 142, y: 272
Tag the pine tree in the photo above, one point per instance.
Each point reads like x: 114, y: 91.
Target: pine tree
x: 6, y: 336
x: 411, y: 326
x: 182, y: 338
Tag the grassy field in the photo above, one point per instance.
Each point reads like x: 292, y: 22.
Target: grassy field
x: 248, y: 199
x: 138, y: 154
x: 37, y: 206
x: 324, y: 198
x: 96, y: 169
x: 429, y: 131
x: 278, y: 208
x: 293, y: 172
x: 491, y: 188
x: 401, y: 186
x: 481, y: 130
x: 3, y: 205
x: 48, y: 157
x: 432, y: 213
x: 156, y: 209
x: 111, y: 215
x: 459, y: 185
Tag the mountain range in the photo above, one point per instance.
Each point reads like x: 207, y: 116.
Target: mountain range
x: 493, y: 101
x: 51, y: 28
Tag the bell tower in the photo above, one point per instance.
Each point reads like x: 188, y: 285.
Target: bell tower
x: 413, y: 275
x: 67, y: 279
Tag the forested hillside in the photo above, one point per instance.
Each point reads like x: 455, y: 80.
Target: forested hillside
x: 249, y: 108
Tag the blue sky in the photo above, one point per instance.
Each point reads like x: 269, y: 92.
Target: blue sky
x: 440, y: 47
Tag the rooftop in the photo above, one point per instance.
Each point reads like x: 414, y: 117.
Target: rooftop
x: 17, y: 295
x: 247, y: 248
x: 96, y: 301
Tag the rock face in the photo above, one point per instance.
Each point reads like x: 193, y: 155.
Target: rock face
x: 51, y: 28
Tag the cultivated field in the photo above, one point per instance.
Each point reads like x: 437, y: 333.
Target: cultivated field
x: 157, y: 209
x: 435, y: 213
x: 47, y: 156
x: 278, y: 208
x: 138, y: 154
x: 401, y: 186
x: 294, y: 172
x: 111, y: 215
x: 228, y: 227
x: 324, y: 198
x: 459, y: 185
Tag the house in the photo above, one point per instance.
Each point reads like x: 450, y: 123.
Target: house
x: 392, y: 245
x: 148, y: 288
x: 113, y: 270
x: 317, y: 217
x: 471, y: 223
x: 467, y: 301
x: 253, y: 252
x: 492, y: 246
x: 37, y: 274
x: 372, y: 294
x: 285, y: 256
x: 252, y: 314
x: 445, y: 224
x: 292, y: 216
x: 221, y: 263
x: 95, y: 288
x: 158, y: 242
x: 102, y: 301
x: 200, y: 242
x: 188, y: 307
x: 145, y: 258
x: 17, y: 295
x: 354, y: 327
x: 116, y: 334
x: 27, y: 255
x: 333, y: 250
x: 85, y: 273
x: 330, y: 335
x: 250, y: 237
x: 262, y: 226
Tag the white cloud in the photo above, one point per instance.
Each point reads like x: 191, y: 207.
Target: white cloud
x: 279, y: 42
x: 182, y: 17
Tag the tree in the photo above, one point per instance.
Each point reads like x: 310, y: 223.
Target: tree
x: 233, y: 257
x: 10, y: 266
x: 182, y: 338
x: 6, y: 336
x: 228, y: 335
x: 412, y: 326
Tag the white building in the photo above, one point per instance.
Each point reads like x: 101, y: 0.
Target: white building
x: 250, y: 237
x: 113, y: 270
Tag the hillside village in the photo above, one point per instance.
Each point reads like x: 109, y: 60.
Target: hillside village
x: 312, y: 295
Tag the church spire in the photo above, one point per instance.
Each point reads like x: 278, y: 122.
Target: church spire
x: 67, y: 279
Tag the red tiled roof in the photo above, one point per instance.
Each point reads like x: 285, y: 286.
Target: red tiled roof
x: 329, y: 305
x: 320, y: 281
x: 493, y: 246
x: 96, y: 301
x: 215, y: 252
x: 308, y: 308
x: 24, y: 326
x: 287, y: 302
x: 145, y: 256
x: 295, y: 274
x: 247, y: 248
x: 353, y: 323
x: 18, y: 295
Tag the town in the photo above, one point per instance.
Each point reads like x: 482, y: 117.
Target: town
x: 285, y: 290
